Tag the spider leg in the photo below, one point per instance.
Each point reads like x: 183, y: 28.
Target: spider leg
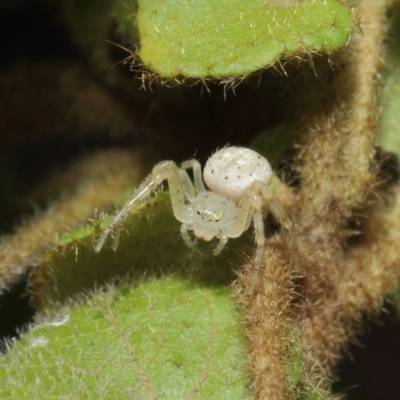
x: 282, y: 217
x: 276, y: 209
x: 198, y: 180
x: 242, y: 219
x: 144, y: 190
x: 185, y: 234
x: 166, y: 170
x: 187, y: 185
x: 259, y: 238
x: 248, y: 208
x: 221, y: 245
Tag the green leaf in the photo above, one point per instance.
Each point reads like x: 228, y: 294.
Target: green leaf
x: 167, y: 339
x: 220, y: 38
x: 149, y: 246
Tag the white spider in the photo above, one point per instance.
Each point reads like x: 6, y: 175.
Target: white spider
x: 238, y: 185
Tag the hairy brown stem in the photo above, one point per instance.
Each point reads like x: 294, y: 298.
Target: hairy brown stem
x: 373, y: 266
x: 269, y: 316
x: 338, y: 174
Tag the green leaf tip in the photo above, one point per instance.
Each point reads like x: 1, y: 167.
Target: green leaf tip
x: 228, y: 38
x: 167, y: 339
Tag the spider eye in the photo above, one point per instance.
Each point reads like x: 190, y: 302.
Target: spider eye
x: 211, y: 215
x: 219, y: 216
x: 200, y: 209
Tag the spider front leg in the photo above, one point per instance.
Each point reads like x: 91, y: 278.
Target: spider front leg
x: 282, y: 217
x: 248, y: 208
x: 222, y: 242
x: 185, y: 234
x: 198, y: 179
x: 256, y: 206
x: 260, y: 241
x: 178, y: 185
x: 251, y: 206
x: 276, y: 209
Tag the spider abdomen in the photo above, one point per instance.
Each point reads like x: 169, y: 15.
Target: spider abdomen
x: 232, y: 170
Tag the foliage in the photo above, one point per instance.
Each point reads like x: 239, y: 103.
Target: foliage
x: 155, y: 299
x: 202, y: 39
x: 167, y: 338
